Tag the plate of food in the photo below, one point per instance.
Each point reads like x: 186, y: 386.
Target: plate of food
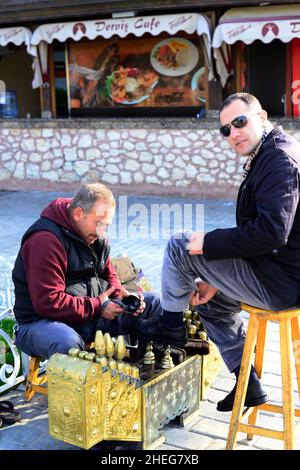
x: 130, y: 85
x: 174, y: 57
x: 198, y: 84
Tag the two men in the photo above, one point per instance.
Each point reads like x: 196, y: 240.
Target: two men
x: 63, y: 277
x: 61, y: 266
x: 256, y: 262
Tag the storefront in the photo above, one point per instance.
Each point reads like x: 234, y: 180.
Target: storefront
x: 257, y: 49
x: 119, y: 98
x: 129, y: 66
x: 16, y: 56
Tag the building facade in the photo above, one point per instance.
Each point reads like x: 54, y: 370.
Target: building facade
x: 110, y: 90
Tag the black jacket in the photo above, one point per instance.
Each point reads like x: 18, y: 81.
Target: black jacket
x: 268, y: 218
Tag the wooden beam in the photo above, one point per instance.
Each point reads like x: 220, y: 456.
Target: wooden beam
x: 51, y: 80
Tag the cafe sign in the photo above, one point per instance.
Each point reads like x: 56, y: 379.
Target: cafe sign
x: 188, y: 22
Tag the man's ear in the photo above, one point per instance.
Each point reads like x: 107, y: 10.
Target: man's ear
x: 264, y: 115
x: 77, y: 213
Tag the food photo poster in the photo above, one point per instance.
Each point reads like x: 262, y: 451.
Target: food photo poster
x: 160, y: 71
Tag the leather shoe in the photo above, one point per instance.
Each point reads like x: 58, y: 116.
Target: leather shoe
x: 255, y: 396
x: 157, y: 331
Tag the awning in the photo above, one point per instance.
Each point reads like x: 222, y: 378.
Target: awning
x: 16, y: 35
x: 251, y: 23
x: 122, y: 27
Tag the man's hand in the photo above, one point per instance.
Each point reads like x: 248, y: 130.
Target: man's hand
x: 111, y: 310
x: 126, y: 293
x: 123, y: 293
x: 195, y: 244
x: 203, y: 293
x: 142, y: 305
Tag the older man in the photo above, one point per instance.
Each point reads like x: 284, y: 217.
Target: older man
x: 64, y: 279
x: 256, y: 262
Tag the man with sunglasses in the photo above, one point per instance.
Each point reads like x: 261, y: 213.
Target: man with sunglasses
x: 256, y: 262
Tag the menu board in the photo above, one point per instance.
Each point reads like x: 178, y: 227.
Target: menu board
x: 160, y: 71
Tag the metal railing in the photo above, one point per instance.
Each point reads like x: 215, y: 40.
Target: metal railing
x: 9, y: 373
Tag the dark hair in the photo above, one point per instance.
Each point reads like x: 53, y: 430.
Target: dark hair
x: 245, y: 97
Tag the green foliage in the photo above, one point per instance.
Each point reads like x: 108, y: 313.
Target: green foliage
x: 7, y: 325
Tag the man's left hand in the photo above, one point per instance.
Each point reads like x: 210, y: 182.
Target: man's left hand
x: 203, y: 293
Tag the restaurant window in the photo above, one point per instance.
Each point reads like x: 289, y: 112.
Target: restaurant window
x: 161, y: 75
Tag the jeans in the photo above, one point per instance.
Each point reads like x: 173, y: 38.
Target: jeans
x: 236, y: 282
x: 44, y: 337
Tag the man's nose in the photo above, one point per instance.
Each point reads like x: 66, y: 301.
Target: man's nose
x: 234, y: 132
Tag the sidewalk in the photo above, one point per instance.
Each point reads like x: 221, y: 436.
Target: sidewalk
x: 209, y: 430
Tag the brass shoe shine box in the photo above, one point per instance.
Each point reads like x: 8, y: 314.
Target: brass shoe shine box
x: 95, y: 397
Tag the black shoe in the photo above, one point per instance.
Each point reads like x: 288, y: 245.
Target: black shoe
x: 255, y: 396
x: 157, y: 331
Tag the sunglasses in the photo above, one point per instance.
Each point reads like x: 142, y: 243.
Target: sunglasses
x: 238, y: 123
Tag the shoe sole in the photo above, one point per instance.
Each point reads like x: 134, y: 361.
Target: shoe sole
x: 248, y: 404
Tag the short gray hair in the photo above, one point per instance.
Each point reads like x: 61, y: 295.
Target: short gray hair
x: 89, y: 193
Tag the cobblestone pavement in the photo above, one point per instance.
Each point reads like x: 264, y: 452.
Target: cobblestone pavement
x: 209, y: 430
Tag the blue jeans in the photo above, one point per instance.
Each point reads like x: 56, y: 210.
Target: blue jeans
x: 236, y: 281
x: 42, y: 338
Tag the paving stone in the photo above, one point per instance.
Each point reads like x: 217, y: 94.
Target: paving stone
x: 167, y: 447
x: 186, y: 439
x: 209, y: 430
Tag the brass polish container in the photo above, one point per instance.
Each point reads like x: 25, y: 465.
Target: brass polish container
x: 120, y: 348
x: 90, y: 357
x: 202, y: 335
x: 74, y: 352
x: 109, y: 346
x: 192, y: 330
x: 187, y: 314
x: 82, y: 354
x: 99, y: 343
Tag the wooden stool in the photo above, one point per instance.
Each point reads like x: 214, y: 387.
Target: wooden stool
x: 256, y: 334
x: 33, y: 382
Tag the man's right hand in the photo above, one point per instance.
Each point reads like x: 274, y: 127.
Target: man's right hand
x: 111, y: 310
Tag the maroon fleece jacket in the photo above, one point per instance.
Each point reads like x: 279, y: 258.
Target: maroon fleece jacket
x: 45, y: 262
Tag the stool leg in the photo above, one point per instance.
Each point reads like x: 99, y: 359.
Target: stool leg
x: 242, y: 382
x: 31, y: 377
x: 296, y: 348
x: 258, y: 365
x: 287, y: 384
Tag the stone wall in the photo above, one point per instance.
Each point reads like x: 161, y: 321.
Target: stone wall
x: 181, y: 161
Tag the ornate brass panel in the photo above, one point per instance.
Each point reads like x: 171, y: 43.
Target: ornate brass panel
x: 122, y: 405
x: 211, y: 365
x: 172, y: 393
x: 76, y: 412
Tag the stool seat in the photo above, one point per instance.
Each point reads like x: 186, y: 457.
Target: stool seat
x: 256, y: 340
